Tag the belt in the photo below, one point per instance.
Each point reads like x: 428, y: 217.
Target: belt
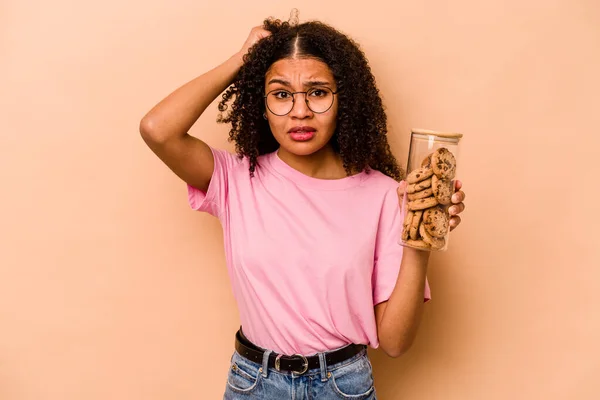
x: 296, y: 363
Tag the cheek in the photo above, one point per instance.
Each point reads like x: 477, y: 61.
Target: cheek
x: 277, y: 127
x: 331, y: 120
x: 334, y: 114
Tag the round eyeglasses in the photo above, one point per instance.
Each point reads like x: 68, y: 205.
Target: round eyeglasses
x: 281, y: 102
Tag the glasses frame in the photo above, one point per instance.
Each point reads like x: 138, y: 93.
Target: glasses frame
x: 305, y: 100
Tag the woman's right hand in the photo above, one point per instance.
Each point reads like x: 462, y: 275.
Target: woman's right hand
x: 256, y: 34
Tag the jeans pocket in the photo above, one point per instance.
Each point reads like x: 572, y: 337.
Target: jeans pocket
x: 355, y: 380
x: 243, y: 377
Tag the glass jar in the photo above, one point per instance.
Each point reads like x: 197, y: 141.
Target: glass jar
x: 430, y: 180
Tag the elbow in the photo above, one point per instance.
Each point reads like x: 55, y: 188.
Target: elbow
x: 395, y: 350
x: 150, y: 133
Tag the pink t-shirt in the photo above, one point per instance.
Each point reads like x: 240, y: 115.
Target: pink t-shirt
x: 308, y: 258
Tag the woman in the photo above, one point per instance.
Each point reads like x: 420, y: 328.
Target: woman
x: 309, y: 210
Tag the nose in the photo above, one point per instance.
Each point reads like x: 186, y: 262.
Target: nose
x: 300, y: 107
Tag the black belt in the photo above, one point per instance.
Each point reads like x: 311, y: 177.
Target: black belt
x: 296, y: 363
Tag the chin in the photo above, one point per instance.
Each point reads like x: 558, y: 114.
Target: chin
x: 303, y: 148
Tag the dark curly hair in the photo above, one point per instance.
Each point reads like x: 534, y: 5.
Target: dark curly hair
x: 360, y: 137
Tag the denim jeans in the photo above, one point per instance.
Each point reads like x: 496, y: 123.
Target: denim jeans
x: 349, y: 379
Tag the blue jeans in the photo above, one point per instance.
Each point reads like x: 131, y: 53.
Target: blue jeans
x: 349, y: 379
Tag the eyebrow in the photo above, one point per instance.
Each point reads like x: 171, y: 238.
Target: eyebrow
x: 306, y: 83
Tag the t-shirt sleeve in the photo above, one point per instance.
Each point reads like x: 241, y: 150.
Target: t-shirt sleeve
x: 388, y: 251
x: 215, y: 200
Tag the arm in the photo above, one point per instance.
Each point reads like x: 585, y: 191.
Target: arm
x: 164, y: 128
x: 398, y: 318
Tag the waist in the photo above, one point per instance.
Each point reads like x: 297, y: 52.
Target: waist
x: 296, y: 363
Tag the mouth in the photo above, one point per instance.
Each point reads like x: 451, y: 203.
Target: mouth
x: 302, y: 133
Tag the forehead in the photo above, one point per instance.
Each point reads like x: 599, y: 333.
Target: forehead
x: 302, y: 69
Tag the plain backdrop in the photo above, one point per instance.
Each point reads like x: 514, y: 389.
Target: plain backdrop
x: 112, y: 288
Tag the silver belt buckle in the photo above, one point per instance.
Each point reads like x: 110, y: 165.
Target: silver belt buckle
x: 304, y: 363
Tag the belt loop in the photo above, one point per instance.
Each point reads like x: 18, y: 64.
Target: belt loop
x: 265, y: 363
x: 323, y: 365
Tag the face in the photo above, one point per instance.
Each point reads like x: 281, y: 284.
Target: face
x: 302, y: 131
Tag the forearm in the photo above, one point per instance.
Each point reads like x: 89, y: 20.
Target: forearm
x: 176, y: 113
x: 402, y: 316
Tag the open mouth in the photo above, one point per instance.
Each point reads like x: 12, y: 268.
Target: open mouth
x: 302, y: 133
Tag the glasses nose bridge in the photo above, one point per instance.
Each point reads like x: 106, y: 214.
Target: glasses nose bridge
x: 305, y: 100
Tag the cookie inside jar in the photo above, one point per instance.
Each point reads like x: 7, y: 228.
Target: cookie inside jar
x: 430, y: 185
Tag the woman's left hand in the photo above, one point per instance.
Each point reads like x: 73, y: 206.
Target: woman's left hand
x: 457, y: 205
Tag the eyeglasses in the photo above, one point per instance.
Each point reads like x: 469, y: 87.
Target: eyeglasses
x: 281, y: 102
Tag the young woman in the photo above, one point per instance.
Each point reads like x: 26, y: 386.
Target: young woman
x: 309, y: 208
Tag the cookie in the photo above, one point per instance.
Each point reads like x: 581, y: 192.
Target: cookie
x: 435, y: 243
x: 442, y: 189
x: 417, y: 187
x: 427, y: 161
x: 418, y: 244
x: 422, y: 204
x: 414, y: 225
x: 405, y: 234
x: 443, y: 163
x: 435, y: 221
x: 419, y: 175
x: 406, y: 225
x: 421, y: 195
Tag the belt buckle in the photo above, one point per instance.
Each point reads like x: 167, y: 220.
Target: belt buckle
x: 304, y: 363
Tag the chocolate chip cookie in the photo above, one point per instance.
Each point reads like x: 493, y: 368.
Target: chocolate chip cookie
x: 406, y: 225
x: 443, y: 163
x: 422, y: 204
x: 417, y: 187
x: 419, y: 175
x: 435, y: 243
x: 436, y: 221
x: 418, y: 244
x: 426, y: 161
x: 421, y: 195
x: 414, y: 225
x: 442, y: 189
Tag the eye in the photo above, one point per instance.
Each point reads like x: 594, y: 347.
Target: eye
x: 318, y: 93
x: 282, y: 95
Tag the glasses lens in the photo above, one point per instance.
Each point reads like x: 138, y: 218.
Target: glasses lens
x: 280, y: 102
x: 319, y: 99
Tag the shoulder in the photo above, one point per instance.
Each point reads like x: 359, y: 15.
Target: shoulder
x: 382, y: 191
x: 378, y: 181
x: 240, y: 165
x: 230, y: 160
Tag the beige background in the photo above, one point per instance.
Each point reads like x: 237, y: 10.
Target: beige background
x: 112, y: 288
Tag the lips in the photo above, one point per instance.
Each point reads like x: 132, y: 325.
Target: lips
x: 301, y: 129
x: 302, y: 133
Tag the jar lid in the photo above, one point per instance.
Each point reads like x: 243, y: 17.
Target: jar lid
x: 448, y: 135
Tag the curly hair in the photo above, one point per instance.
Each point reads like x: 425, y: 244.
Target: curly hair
x: 360, y: 137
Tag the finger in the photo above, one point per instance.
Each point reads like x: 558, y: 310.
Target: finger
x: 454, y: 222
x: 457, y: 185
x: 401, y: 189
x: 458, y: 197
x: 263, y: 33
x: 456, y: 209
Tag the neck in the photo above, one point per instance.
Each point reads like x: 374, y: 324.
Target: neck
x: 323, y: 164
